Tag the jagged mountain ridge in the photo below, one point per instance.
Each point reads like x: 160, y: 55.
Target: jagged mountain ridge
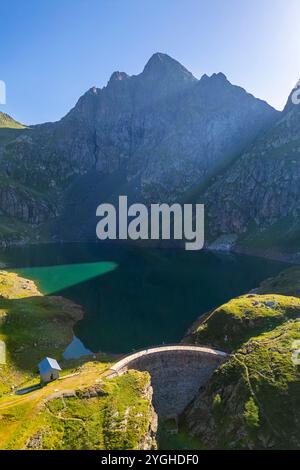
x: 153, y: 136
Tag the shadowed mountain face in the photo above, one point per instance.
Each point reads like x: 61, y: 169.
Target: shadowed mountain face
x: 258, y: 196
x: 154, y: 136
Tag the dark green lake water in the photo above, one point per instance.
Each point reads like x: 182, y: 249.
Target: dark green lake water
x: 136, y: 297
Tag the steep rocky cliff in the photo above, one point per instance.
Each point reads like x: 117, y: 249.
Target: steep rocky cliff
x: 257, y: 198
x: 153, y: 136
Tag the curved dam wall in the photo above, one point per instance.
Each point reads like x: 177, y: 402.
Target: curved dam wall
x: 177, y: 373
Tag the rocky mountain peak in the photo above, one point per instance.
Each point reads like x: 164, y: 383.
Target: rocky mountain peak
x: 117, y: 77
x: 214, y: 78
x: 161, y: 65
x: 219, y: 76
x: 157, y: 136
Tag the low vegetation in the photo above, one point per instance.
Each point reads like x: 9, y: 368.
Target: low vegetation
x: 253, y: 400
x: 82, y: 410
x: 32, y: 327
x: 105, y: 414
x: 7, y: 122
x: 229, y: 326
x: 286, y: 283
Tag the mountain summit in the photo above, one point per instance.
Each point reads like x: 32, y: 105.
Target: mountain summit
x: 162, y: 65
x: 153, y: 136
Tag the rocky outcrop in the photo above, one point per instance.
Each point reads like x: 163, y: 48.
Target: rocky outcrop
x: 148, y: 440
x: 24, y: 205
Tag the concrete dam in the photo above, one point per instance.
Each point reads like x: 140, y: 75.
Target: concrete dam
x: 177, y: 373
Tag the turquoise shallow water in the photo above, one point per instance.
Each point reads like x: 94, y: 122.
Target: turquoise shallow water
x: 136, y: 297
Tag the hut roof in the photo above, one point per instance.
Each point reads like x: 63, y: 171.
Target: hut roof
x: 48, y: 364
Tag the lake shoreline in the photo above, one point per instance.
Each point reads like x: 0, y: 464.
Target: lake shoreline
x: 270, y: 254
x: 153, y: 296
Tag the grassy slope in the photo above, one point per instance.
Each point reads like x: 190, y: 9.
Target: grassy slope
x: 116, y: 414
x: 253, y: 400
x: 82, y: 412
x: 9, y: 128
x: 32, y: 327
x: 7, y: 122
x: 228, y: 327
x: 286, y: 283
x: 119, y: 419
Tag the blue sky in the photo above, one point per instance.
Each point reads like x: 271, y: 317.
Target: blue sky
x: 52, y: 51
